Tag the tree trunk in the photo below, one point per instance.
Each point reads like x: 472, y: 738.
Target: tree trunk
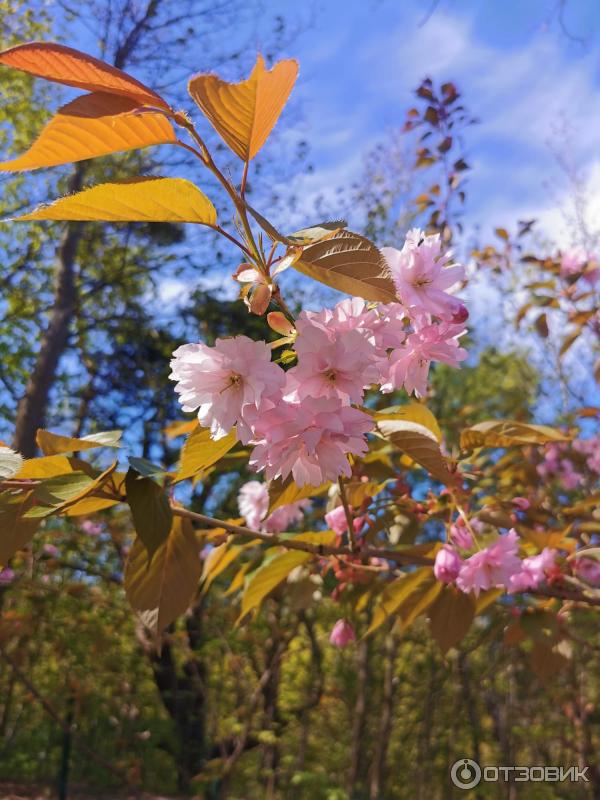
x: 357, y: 754
x: 377, y: 788
x: 31, y: 411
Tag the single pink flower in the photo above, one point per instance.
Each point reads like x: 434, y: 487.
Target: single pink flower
x: 310, y: 439
x: 461, y: 536
x: 409, y: 365
x: 336, y: 520
x: 587, y: 569
x: 90, y: 527
x: 522, y: 503
x: 253, y: 503
x: 533, y: 571
x: 447, y: 564
x: 342, y: 634
x: 491, y: 567
x: 422, y: 272
x: 223, y: 380
x: 334, y: 359
x: 7, y: 576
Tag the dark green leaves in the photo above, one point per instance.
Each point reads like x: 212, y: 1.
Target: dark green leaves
x: 152, y: 515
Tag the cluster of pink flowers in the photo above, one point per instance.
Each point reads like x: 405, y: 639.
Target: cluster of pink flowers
x: 253, y: 503
x: 496, y: 566
x: 558, y: 465
x: 303, y: 422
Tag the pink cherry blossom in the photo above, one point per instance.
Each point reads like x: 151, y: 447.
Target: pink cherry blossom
x: 50, y: 550
x: 421, y: 272
x: 587, y: 569
x: 7, y: 576
x: 336, y: 520
x: 311, y: 439
x: 533, y: 571
x: 522, y: 503
x: 447, y: 564
x: 342, y: 633
x: 336, y: 357
x: 491, y: 567
x: 409, y: 365
x: 90, y: 527
x: 461, y: 536
x: 590, y: 448
x: 253, y: 503
x: 223, y: 380
x: 572, y: 263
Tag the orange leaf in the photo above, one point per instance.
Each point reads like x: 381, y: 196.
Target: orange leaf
x: 90, y: 126
x: 244, y: 114
x: 61, y: 64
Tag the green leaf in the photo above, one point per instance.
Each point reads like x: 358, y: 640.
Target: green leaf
x: 268, y: 577
x: 451, y: 616
x: 150, y: 509
x: 200, y: 452
x: 53, y: 443
x: 395, y: 594
x: 10, y: 462
x: 162, y: 590
x: 16, y: 530
x: 146, y: 468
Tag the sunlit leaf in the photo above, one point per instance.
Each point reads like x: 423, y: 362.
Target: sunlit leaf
x: 395, y: 594
x: 413, y: 412
x: 417, y: 603
x: 349, y: 263
x: 281, y: 493
x: 150, y: 509
x: 149, y: 199
x: 58, y: 493
x: 244, y: 114
x: 180, y: 427
x: 10, y: 462
x: 45, y: 467
x: 53, y: 443
x: 450, y: 617
x: 61, y: 64
x: 418, y: 442
x: 268, y: 577
x: 218, y: 560
x: 90, y: 126
x: 16, y: 530
x: 504, y: 433
x: 200, y: 452
x: 162, y: 590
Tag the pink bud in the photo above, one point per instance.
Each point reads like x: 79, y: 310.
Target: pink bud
x: 460, y: 314
x: 447, y: 564
x: 342, y: 634
x: 522, y: 503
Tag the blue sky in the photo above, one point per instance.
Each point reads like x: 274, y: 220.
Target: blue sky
x: 535, y: 88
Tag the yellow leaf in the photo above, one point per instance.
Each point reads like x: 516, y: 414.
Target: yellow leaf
x: 162, y: 590
x: 46, y: 467
x: 349, y: 263
x: 418, y: 602
x: 61, y: 64
x: 200, y: 452
x: 150, y: 199
x: 53, y: 443
x: 269, y: 576
x: 412, y: 412
x: 180, y: 427
x: 245, y: 113
x: 90, y: 126
x: 420, y: 443
x: 504, y: 433
x: 89, y: 505
x: 218, y: 560
x: 395, y: 593
x: 281, y: 493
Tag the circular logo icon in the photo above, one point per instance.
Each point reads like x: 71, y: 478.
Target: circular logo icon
x: 465, y: 773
